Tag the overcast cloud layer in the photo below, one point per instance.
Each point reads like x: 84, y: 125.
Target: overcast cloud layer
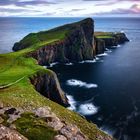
x: 69, y: 8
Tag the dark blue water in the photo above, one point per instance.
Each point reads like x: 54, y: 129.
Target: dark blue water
x: 106, y: 92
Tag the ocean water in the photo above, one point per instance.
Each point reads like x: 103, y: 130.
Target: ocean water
x: 106, y: 90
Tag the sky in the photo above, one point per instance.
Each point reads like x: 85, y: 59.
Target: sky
x: 69, y: 8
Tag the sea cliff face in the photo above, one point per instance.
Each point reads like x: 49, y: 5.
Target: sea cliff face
x: 77, y: 45
x: 108, y: 40
x: 48, y: 86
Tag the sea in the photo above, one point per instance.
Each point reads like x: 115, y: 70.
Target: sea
x: 106, y: 90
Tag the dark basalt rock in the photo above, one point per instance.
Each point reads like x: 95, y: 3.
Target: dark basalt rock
x: 48, y: 86
x: 121, y: 38
x: 77, y: 45
x: 99, y: 46
x: 10, y: 111
x: 108, y: 40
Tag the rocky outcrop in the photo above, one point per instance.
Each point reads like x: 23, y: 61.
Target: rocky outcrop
x: 77, y: 44
x: 10, y: 134
x: 42, y: 116
x: 121, y: 38
x: 99, y: 45
x: 108, y: 40
x: 48, y: 86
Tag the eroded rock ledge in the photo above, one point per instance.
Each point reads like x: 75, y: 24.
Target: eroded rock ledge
x: 108, y: 40
x: 48, y: 86
x: 76, y: 45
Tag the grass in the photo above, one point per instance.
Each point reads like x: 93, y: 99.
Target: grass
x: 104, y: 35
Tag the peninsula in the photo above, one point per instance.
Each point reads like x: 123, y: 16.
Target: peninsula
x: 32, y: 103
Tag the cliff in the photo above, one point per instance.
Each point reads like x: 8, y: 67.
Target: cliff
x: 48, y: 86
x: 108, y: 40
x: 74, y: 43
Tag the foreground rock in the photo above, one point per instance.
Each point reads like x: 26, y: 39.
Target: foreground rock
x: 9, y: 134
x: 44, y: 114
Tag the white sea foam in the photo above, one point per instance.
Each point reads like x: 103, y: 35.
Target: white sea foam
x: 74, y: 82
x: 107, y: 130
x: 118, y: 46
x: 72, y: 102
x: 52, y: 64
x: 97, y: 58
x: 69, y: 64
x: 108, y: 51
x: 122, y: 31
x: 87, y: 109
x: 88, y: 61
x: 103, y: 54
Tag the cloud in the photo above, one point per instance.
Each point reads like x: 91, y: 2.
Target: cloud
x: 24, y: 2
x: 77, y: 10
x: 134, y: 9
x: 68, y: 8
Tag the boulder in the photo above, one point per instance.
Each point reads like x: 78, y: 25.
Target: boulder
x: 9, y: 134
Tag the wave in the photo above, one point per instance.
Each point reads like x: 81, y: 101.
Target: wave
x: 52, y: 64
x: 73, y: 82
x: 118, y: 46
x: 88, y: 61
x: 87, y: 109
x: 72, y: 103
x: 69, y: 64
x: 103, y: 54
x: 108, y: 130
x: 97, y: 58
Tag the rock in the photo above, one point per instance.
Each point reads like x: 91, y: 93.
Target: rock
x: 10, y: 111
x: 1, y: 105
x: 43, y: 111
x: 48, y: 86
x: 99, y: 46
x: 100, y: 137
x: 72, y: 132
x: 13, y: 118
x: 9, y: 134
x: 121, y: 38
x: 55, y: 123
x: 1, y: 120
x: 13, y: 126
x: 79, y: 137
x: 60, y: 137
x: 108, y: 40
